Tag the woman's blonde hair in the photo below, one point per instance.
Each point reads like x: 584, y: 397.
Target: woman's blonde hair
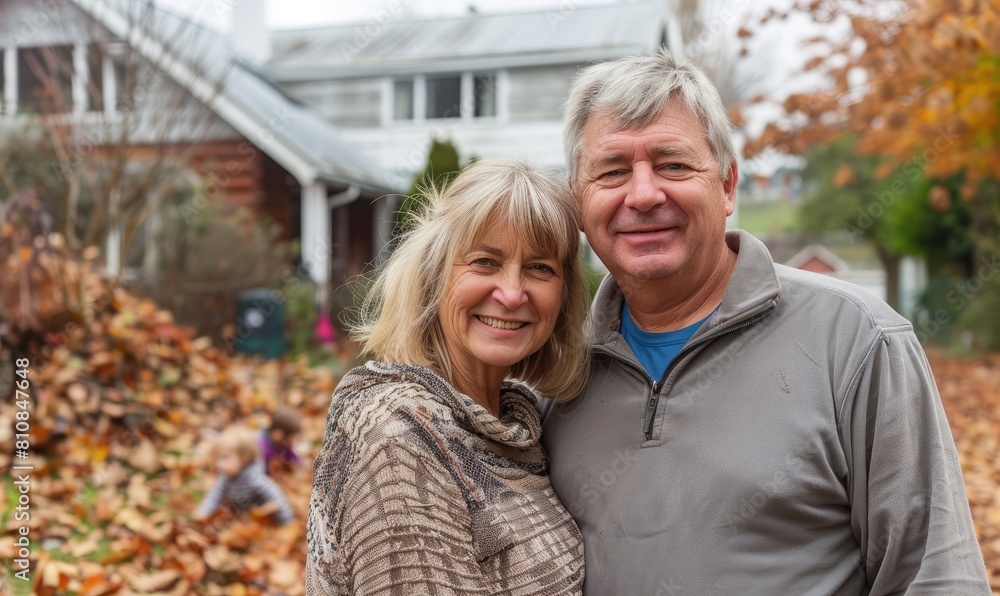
x: 399, y: 317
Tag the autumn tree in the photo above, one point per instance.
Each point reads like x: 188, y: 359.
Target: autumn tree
x: 892, y: 214
x: 103, y: 134
x: 917, y: 82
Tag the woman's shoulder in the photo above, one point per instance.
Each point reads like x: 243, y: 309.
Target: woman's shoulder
x: 380, y: 401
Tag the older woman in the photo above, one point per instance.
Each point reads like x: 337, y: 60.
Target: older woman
x: 432, y: 479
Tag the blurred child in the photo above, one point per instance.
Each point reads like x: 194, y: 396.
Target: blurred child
x: 242, y: 483
x: 276, y: 440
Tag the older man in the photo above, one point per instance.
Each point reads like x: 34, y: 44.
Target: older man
x: 747, y: 428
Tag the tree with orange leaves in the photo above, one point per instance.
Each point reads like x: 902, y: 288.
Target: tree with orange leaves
x: 917, y: 83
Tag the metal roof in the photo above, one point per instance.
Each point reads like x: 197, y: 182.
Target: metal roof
x: 391, y: 45
x: 205, y: 63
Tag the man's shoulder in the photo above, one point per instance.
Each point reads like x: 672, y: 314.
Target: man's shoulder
x: 837, y: 296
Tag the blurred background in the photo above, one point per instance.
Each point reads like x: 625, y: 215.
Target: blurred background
x: 188, y: 186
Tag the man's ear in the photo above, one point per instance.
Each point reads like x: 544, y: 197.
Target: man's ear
x: 729, y: 187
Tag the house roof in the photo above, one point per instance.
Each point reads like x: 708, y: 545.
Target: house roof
x: 206, y: 64
x: 389, y: 44
x: 818, y: 252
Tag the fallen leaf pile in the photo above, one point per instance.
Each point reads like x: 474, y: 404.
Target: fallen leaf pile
x: 970, y: 390
x: 122, y: 407
x: 120, y: 412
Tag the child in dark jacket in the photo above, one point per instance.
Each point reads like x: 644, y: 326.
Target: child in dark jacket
x: 242, y: 483
x: 276, y: 440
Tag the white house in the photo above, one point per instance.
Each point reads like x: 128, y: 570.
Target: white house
x: 273, y: 153
x: 492, y: 83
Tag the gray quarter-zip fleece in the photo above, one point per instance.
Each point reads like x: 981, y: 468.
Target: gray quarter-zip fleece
x: 796, y: 445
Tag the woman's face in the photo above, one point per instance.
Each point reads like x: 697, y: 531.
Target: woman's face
x: 500, y: 304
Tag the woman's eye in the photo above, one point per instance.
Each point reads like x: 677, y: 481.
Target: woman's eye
x: 484, y: 262
x: 541, y: 270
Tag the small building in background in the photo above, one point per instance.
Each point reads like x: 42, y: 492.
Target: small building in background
x: 819, y: 259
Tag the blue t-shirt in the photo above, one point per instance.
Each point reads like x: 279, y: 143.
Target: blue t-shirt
x: 656, y: 350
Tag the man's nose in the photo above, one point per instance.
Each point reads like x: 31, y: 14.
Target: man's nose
x: 645, y: 192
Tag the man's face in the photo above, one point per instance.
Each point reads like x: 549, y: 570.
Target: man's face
x: 652, y: 200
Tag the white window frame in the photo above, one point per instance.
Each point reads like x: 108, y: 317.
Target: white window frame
x: 80, y: 80
x: 467, y: 103
x: 10, y: 83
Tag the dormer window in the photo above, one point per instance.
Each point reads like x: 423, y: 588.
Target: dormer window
x: 424, y: 98
x: 444, y: 97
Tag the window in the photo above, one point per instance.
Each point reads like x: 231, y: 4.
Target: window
x: 422, y: 98
x: 124, y: 71
x: 444, y: 97
x: 402, y: 106
x: 95, y: 82
x: 485, y: 95
x: 45, y: 79
x: 3, y: 77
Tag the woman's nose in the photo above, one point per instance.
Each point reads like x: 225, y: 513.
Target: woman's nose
x: 509, y: 291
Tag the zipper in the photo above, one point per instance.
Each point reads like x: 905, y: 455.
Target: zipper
x: 654, y: 397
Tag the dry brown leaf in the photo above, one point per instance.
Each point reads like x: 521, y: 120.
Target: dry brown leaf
x: 150, y: 583
x: 145, y: 457
x: 221, y: 559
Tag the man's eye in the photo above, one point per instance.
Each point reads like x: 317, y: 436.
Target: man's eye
x: 612, y: 173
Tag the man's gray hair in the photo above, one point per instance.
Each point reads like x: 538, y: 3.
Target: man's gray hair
x: 634, y: 91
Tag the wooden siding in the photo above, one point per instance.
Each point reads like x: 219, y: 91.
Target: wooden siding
x: 347, y: 103
x: 538, y: 93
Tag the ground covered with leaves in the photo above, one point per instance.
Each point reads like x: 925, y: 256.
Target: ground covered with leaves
x: 121, y: 408
x: 970, y: 389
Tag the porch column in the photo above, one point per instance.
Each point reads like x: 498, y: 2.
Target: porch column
x: 316, y: 246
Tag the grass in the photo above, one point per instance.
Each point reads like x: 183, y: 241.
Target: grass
x: 772, y: 217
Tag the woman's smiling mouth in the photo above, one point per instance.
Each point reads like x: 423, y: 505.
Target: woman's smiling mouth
x: 498, y: 324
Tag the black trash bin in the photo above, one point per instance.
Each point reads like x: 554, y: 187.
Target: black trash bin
x: 260, y: 324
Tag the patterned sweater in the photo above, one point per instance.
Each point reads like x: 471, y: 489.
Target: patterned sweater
x: 419, y: 490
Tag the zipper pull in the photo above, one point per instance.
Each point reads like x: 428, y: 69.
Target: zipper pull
x: 651, y: 411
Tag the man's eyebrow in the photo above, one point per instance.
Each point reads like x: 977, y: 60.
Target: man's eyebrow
x: 617, y: 157
x: 671, y: 150
x: 607, y: 160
